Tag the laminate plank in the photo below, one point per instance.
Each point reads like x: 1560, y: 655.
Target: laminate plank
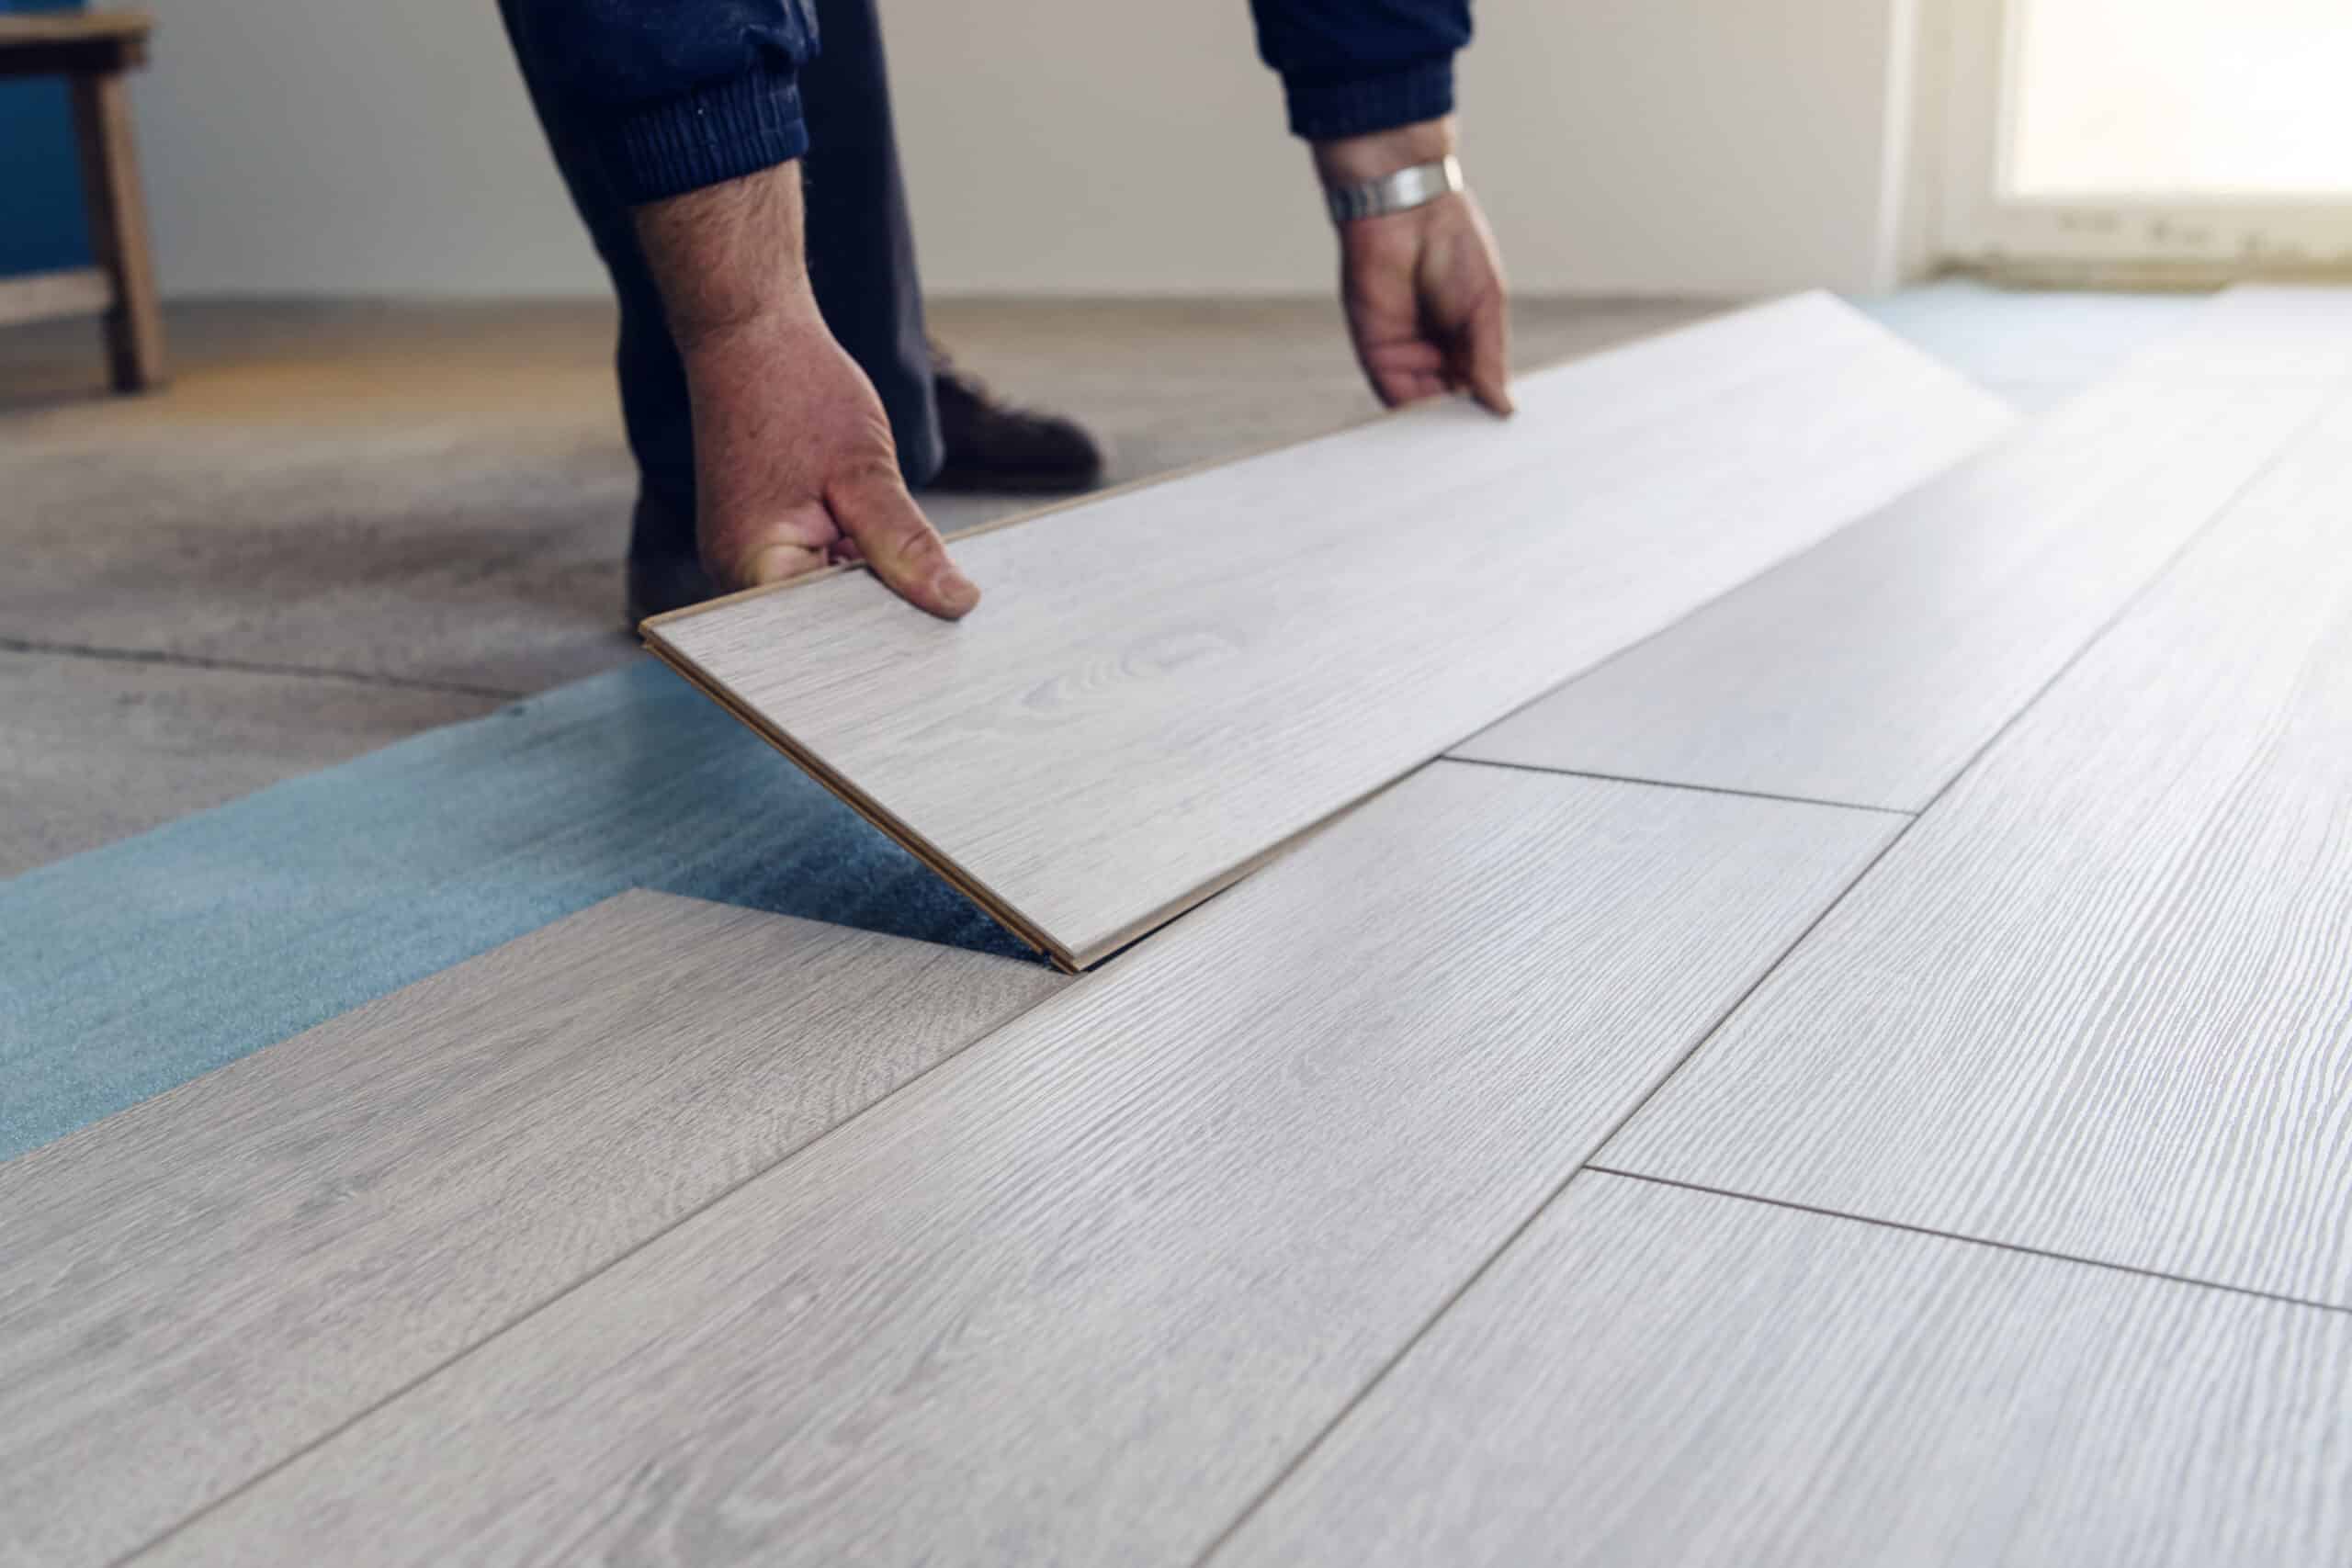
x: 1651, y: 1375
x: 2258, y: 332
x: 1077, y: 1295
x: 1165, y: 685
x: 1871, y: 668
x: 192, y: 1290
x: 2095, y: 1001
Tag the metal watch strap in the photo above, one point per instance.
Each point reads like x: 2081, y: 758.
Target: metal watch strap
x: 1399, y: 192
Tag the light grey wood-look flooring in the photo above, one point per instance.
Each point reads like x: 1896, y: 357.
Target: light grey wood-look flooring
x: 1654, y: 1375
x: 193, y: 1291
x: 1870, y: 669
x: 2095, y: 1001
x: 1305, y: 1229
x: 1167, y: 685
x: 1079, y: 1294
x: 2279, y: 334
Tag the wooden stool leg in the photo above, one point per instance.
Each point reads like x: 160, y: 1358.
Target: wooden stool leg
x: 119, y: 229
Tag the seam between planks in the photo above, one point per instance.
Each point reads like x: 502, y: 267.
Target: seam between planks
x: 2129, y: 604
x: 532, y: 1311
x: 1673, y: 784
x: 1964, y: 1239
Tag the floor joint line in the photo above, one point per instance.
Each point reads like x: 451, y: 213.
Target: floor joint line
x: 1964, y: 1239
x: 1677, y: 784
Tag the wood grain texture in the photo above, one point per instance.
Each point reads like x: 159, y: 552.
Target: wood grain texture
x: 2095, y: 1001
x: 1871, y: 668
x: 1079, y: 1294
x: 192, y: 1290
x: 1164, y: 684
x: 1651, y: 1375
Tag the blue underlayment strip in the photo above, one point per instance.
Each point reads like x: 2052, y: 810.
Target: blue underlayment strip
x: 137, y: 966
x: 132, y: 968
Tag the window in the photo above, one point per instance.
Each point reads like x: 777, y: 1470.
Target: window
x: 2198, y: 139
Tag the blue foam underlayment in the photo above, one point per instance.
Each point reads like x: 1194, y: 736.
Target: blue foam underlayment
x: 132, y: 968
x: 137, y: 966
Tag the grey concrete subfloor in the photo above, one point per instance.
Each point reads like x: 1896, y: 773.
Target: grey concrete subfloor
x: 345, y: 522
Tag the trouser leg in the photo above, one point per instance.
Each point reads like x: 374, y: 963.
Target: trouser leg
x: 861, y: 242
x: 655, y: 408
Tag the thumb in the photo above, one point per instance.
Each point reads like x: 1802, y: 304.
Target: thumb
x: 905, y: 551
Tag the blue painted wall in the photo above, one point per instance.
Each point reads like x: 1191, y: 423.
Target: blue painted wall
x: 42, y: 224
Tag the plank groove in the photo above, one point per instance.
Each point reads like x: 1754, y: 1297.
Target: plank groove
x: 1871, y: 668
x: 1651, y: 1375
x: 1165, y: 685
x: 1077, y: 1295
x: 2095, y: 1001
x: 192, y: 1290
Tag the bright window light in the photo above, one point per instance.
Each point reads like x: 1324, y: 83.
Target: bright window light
x: 2181, y: 99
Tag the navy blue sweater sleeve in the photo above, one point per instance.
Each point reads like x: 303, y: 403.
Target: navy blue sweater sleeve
x: 1352, y: 67
x: 674, y: 96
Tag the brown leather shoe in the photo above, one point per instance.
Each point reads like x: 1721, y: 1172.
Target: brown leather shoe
x: 991, y: 445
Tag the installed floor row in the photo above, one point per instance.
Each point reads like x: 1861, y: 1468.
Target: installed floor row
x: 1141, y: 1245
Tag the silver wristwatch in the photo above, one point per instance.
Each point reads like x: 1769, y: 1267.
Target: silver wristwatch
x: 1399, y: 192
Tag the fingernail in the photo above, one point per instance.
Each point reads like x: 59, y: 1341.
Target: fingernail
x: 955, y: 591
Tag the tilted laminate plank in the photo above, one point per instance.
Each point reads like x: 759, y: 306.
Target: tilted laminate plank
x: 1871, y: 668
x: 1652, y: 1375
x: 192, y: 1290
x: 1075, y: 1296
x: 2098, y: 1000
x: 1163, y: 685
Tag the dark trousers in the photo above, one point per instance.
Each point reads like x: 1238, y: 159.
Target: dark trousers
x: 861, y: 260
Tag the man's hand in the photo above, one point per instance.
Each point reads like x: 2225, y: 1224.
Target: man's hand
x: 793, y: 464
x: 1423, y: 289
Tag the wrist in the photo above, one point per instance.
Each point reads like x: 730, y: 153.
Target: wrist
x: 1352, y: 160
x: 726, y: 259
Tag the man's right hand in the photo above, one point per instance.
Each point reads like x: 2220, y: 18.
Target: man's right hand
x: 793, y: 464
x: 794, y: 467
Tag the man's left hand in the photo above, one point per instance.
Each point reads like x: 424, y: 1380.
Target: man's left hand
x: 1423, y: 289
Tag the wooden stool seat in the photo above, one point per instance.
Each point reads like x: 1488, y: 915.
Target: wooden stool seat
x: 93, y: 50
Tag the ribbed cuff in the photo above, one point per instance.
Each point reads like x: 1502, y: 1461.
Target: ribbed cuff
x: 719, y: 133
x: 1324, y: 111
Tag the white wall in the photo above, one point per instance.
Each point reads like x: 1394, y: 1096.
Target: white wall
x: 1080, y: 146
x: 348, y: 147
